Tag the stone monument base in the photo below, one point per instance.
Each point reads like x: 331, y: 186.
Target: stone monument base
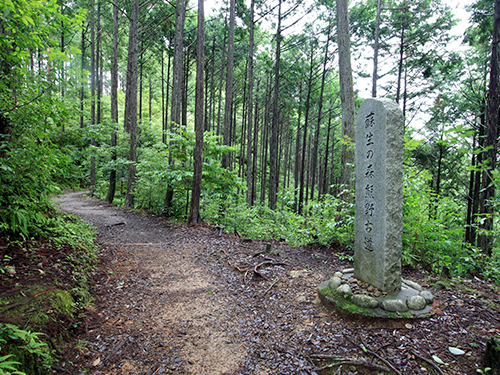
x: 353, y: 296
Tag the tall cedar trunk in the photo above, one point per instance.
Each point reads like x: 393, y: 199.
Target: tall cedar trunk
x: 304, y: 136
x: 194, y: 213
x: 401, y: 62
x: 175, y: 114
x: 98, y: 68
x: 63, y: 83
x: 477, y: 178
x: 375, y: 50
x: 210, y: 89
x: 92, y: 95
x: 250, y: 106
x: 296, y: 168
x: 485, y: 241
x: 346, y: 97
x: 273, y: 145
x: 131, y: 119
x: 150, y: 109
x: 114, y: 106
x: 229, y: 84
x: 314, y: 156
x: 82, y: 73
x: 324, y: 184
x: 185, y: 82
x: 221, y: 78
x: 255, y: 144
x: 470, y: 196
x: 140, y: 86
x: 167, y: 98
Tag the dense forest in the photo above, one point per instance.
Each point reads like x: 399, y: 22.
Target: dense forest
x: 245, y: 118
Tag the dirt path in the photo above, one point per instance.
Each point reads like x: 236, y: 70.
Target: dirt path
x: 178, y: 300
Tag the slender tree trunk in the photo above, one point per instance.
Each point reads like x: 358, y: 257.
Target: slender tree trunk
x: 229, y: 85
x: 324, y: 188
x: 82, y: 88
x: 131, y: 119
x: 255, y: 145
x: 140, y: 86
x: 194, y: 213
x: 273, y: 144
x: 92, y: 95
x: 250, y: 105
x: 401, y: 62
x: 98, y: 69
x: 221, y: 77
x: 304, y: 136
x: 296, y: 169
x: 150, y: 98
x: 346, y: 97
x: 175, y: 117
x: 485, y: 241
x: 470, y: 196
x: 375, y: 50
x: 114, y: 106
x: 164, y: 137
x: 314, y: 156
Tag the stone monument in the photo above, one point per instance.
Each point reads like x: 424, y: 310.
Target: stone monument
x: 374, y: 287
x: 379, y: 194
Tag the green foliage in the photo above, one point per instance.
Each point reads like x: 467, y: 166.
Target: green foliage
x: 326, y: 222
x: 28, y: 354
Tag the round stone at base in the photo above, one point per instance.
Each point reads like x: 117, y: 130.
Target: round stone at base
x: 362, y: 300
x: 394, y: 305
x: 344, y: 290
x: 416, y: 303
x: 429, y: 298
x: 334, y: 282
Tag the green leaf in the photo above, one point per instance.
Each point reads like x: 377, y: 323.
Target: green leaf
x: 456, y: 351
x: 438, y: 360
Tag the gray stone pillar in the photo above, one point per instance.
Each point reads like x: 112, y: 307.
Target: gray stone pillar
x: 379, y: 194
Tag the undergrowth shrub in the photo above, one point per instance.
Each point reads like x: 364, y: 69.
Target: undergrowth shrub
x: 26, y: 352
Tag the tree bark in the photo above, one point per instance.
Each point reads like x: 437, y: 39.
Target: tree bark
x: 273, y: 144
x: 131, y: 111
x: 114, y: 106
x: 229, y: 84
x: 375, y: 50
x: 346, y: 97
x: 194, y: 213
x: 485, y: 241
x: 175, y: 116
x: 304, y: 136
x: 314, y: 156
x: 92, y: 95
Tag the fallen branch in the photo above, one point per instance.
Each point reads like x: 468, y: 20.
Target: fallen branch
x: 436, y: 367
x: 278, y: 279
x: 364, y: 347
x: 356, y: 362
x: 115, y: 349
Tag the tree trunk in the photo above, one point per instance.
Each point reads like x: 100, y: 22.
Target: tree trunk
x: 485, y: 241
x: 346, y: 97
x: 175, y: 116
x: 131, y: 111
x: 194, y: 213
x: 375, y: 50
x: 314, y: 156
x: 250, y: 105
x: 229, y: 84
x: 304, y: 136
x: 296, y: 169
x: 273, y: 144
x: 82, y: 88
x: 114, y: 106
x: 92, y: 95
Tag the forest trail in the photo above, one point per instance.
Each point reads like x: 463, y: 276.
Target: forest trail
x: 171, y: 299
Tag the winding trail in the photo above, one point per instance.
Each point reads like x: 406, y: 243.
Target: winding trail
x: 160, y: 310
